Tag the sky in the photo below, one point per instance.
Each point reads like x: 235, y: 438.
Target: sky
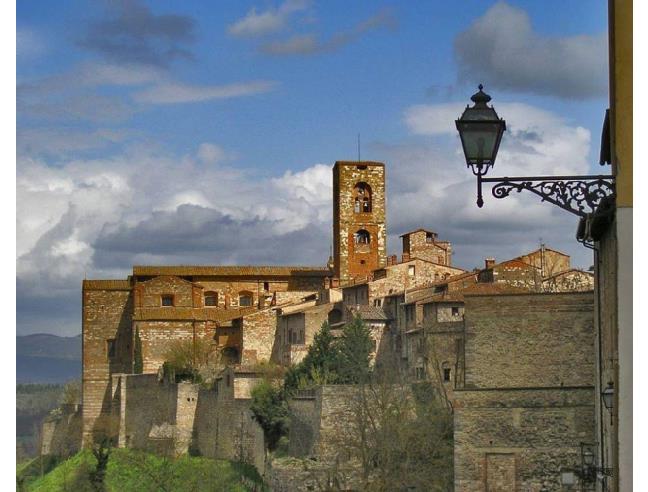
x: 203, y: 132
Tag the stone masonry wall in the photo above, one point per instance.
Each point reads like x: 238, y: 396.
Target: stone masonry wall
x: 107, y: 311
x: 534, y: 340
x: 350, y: 262
x: 399, y: 277
x: 61, y: 431
x: 519, y: 440
x: 258, y: 336
x: 570, y: 281
x: 434, y: 251
x: 175, y: 419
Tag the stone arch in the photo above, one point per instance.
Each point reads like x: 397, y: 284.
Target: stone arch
x: 334, y: 316
x: 362, y: 237
x: 362, y: 198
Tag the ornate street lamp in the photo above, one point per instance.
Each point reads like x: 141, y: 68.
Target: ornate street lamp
x: 481, y: 130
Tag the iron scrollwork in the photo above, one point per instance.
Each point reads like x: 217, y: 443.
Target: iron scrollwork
x: 579, y: 195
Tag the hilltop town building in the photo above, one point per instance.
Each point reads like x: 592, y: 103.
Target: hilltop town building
x: 435, y: 321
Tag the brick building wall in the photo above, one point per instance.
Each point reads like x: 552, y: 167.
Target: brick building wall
x: 358, y: 260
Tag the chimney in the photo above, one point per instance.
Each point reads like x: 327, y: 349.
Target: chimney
x: 489, y: 262
x: 389, y: 261
x: 394, y: 259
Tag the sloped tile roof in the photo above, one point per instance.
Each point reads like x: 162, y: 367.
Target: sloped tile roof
x: 233, y: 270
x: 369, y: 312
x: 106, y: 285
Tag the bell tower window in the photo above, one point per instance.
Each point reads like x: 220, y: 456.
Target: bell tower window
x: 362, y: 237
x: 362, y: 198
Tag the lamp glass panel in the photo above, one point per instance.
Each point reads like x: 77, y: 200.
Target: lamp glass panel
x: 479, y: 140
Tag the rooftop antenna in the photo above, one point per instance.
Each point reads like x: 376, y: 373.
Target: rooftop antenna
x: 358, y: 147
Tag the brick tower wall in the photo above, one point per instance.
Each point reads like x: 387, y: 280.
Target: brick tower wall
x: 352, y: 261
x: 107, y: 315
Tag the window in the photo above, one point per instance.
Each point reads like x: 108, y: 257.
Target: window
x: 335, y: 316
x: 411, y: 270
x: 245, y: 299
x: 446, y: 375
x: 266, y: 286
x: 362, y: 198
x: 429, y: 237
x: 362, y: 237
x: 378, y: 302
x: 455, y: 311
x: 110, y: 348
x: 420, y: 373
x: 409, y: 313
x: 374, y: 345
x: 211, y: 299
x: 167, y: 300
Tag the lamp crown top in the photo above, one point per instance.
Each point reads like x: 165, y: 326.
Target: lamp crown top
x: 480, y: 97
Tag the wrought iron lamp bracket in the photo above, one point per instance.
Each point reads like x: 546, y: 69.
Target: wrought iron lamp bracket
x: 579, y: 195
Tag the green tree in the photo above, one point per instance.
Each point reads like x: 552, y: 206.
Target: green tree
x: 270, y: 411
x: 354, y: 353
x: 319, y: 366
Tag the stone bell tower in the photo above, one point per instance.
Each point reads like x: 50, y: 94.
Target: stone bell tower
x: 359, y: 235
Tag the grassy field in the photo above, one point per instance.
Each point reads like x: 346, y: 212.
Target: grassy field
x: 136, y: 471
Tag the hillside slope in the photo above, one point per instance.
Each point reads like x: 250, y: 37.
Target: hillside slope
x: 130, y: 470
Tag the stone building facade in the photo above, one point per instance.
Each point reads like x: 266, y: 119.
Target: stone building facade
x: 527, y: 399
x: 139, y: 319
x: 420, y: 312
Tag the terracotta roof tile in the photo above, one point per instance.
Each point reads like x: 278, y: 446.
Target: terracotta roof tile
x: 232, y: 270
x: 369, y: 312
x: 106, y: 285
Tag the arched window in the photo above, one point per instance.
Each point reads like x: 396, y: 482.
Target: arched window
x: 245, y: 298
x: 211, y: 299
x: 362, y: 198
x: 334, y: 316
x: 362, y: 237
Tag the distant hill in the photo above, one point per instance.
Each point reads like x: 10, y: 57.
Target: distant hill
x: 46, y: 358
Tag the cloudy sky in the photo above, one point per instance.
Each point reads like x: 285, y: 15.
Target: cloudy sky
x: 204, y: 132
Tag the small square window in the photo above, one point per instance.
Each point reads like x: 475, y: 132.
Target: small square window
x: 266, y: 286
x: 446, y: 375
x: 411, y: 270
x: 211, y: 299
x: 167, y: 300
x: 455, y: 311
